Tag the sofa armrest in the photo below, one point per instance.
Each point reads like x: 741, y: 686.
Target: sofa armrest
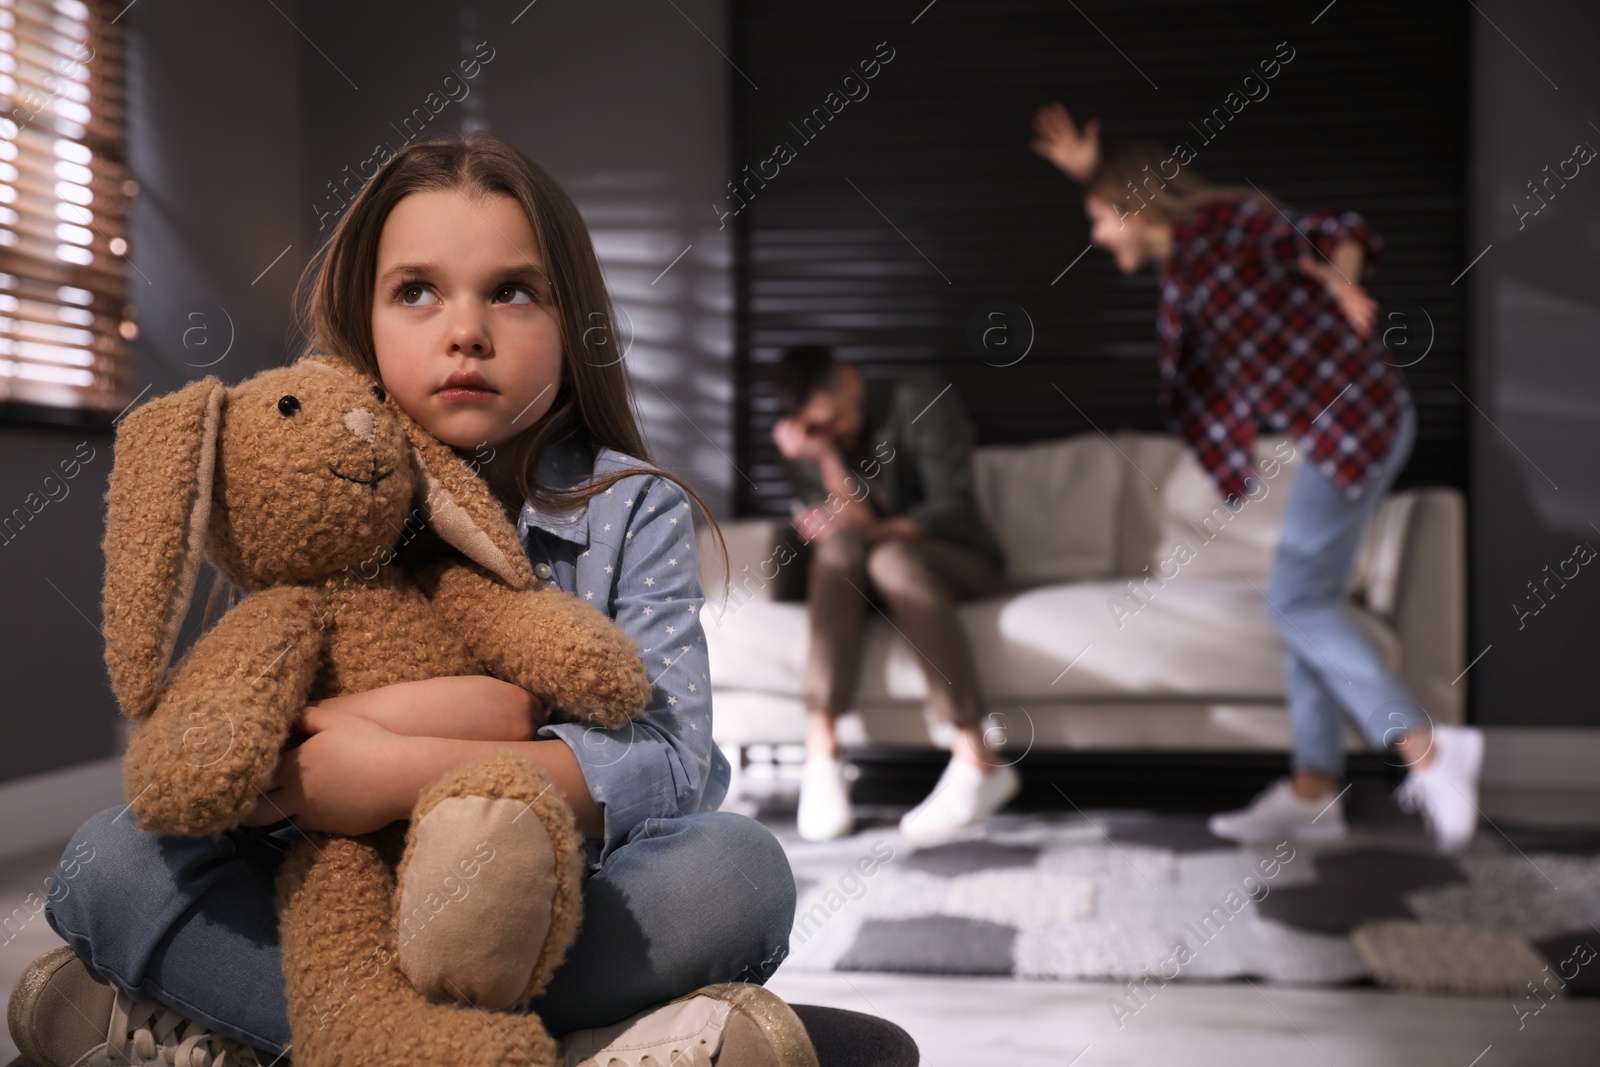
x: 1411, y: 570
x: 763, y: 561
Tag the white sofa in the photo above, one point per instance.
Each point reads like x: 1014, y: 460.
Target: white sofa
x: 1069, y: 658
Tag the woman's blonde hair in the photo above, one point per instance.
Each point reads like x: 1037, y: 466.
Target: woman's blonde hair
x: 1137, y: 178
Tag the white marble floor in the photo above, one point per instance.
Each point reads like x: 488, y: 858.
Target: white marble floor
x: 1004, y: 1023
x: 964, y: 1022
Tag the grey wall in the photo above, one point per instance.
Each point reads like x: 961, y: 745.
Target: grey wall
x: 1536, y: 321
x: 55, y: 706
x: 214, y: 115
x: 240, y: 116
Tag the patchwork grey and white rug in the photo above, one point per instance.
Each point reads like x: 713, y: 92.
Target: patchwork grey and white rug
x: 1155, y: 899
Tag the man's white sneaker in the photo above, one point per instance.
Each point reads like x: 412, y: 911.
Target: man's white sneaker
x: 824, y: 800
x: 1446, y: 790
x: 964, y: 797
x: 1278, y: 814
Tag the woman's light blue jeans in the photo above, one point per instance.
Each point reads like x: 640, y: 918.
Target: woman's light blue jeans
x: 1332, y: 669
x: 188, y: 921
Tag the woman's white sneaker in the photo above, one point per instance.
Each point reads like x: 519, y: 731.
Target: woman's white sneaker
x: 964, y: 797
x: 1446, y: 790
x: 824, y: 800
x: 1279, y: 813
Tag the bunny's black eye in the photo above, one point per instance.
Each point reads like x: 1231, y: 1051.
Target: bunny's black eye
x: 377, y: 391
x: 288, y: 404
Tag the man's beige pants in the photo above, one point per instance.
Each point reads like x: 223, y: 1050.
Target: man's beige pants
x: 922, y: 580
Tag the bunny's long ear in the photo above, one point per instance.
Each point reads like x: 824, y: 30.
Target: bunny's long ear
x: 462, y: 510
x: 158, y: 511
x: 460, y: 507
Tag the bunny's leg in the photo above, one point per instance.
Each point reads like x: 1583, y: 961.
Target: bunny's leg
x: 349, y: 1004
x: 490, y: 889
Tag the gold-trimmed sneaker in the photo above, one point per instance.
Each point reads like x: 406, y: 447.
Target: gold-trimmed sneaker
x: 64, y: 1015
x: 730, y: 1024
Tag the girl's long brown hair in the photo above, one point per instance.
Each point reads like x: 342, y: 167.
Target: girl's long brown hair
x: 595, y: 403
x: 333, y: 309
x: 1131, y: 176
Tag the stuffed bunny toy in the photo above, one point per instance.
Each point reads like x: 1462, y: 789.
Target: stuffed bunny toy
x: 306, y: 487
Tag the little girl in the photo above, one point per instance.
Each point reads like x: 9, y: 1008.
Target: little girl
x: 463, y: 278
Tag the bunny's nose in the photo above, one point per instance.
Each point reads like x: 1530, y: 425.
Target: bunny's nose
x: 360, y: 422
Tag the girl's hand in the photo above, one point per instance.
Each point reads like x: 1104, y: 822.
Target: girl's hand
x: 1060, y: 142
x: 1353, y: 300
x: 340, y: 780
x: 464, y: 707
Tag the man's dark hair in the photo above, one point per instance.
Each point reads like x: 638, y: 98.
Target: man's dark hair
x: 800, y: 373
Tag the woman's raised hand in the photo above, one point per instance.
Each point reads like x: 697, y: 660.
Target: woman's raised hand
x: 1060, y: 141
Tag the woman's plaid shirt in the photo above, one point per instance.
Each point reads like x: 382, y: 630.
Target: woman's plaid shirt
x: 1247, y: 338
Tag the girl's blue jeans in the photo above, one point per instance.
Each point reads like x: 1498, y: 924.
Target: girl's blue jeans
x: 1332, y: 670
x: 188, y: 921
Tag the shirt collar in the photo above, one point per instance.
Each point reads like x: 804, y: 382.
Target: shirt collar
x: 563, y: 465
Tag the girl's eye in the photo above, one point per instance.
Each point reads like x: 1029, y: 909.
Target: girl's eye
x: 403, y: 291
x: 518, y: 288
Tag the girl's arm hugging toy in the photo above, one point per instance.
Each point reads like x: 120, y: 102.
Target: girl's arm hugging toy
x: 306, y: 487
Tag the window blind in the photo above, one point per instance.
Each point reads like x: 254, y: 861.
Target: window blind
x: 65, y: 323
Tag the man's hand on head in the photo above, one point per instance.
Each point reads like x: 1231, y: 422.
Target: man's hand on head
x: 795, y: 441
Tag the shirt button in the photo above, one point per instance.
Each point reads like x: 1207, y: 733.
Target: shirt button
x: 543, y: 570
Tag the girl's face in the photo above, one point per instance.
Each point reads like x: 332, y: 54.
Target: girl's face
x: 1121, y: 235
x: 461, y: 293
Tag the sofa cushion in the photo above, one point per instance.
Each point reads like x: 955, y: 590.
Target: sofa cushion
x: 1170, y: 504
x: 1052, y: 505
x: 1192, y: 637
x: 1376, y: 572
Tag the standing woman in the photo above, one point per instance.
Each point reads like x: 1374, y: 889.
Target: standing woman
x: 1261, y: 321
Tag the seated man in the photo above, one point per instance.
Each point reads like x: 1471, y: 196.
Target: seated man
x: 882, y: 478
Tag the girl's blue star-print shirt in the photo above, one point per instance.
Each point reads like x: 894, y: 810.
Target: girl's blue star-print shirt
x: 631, y: 553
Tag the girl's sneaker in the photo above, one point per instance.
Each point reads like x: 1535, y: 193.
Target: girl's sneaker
x: 64, y: 1015
x: 730, y: 1024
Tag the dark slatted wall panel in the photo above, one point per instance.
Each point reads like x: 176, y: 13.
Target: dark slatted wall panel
x: 914, y: 210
